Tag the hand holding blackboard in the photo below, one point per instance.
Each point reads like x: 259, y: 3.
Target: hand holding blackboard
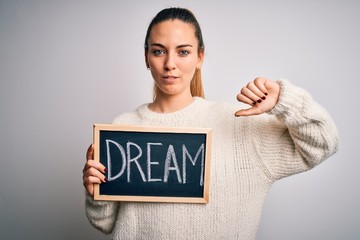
x: 93, y: 172
x: 152, y: 164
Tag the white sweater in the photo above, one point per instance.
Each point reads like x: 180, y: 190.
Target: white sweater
x: 248, y: 155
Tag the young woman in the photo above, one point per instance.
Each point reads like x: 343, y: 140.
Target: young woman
x: 284, y: 132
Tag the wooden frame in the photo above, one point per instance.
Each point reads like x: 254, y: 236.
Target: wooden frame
x: 207, y: 132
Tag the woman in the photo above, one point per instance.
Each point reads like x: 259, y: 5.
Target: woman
x: 284, y: 132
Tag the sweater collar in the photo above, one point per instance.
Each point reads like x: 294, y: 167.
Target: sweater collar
x: 186, y: 112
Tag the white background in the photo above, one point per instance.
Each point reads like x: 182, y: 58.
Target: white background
x: 65, y: 65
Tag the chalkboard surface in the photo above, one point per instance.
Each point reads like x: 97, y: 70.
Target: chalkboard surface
x: 153, y: 164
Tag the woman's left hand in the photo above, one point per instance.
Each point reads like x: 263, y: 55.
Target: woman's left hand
x: 262, y: 94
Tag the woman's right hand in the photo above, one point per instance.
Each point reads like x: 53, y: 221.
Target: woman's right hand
x: 93, y: 172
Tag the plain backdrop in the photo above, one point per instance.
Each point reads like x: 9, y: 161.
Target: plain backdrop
x: 65, y: 65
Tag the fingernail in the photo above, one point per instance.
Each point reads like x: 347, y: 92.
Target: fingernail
x: 105, y: 179
x: 253, y: 102
x: 259, y: 101
x: 263, y: 98
x: 104, y: 170
x: 266, y: 94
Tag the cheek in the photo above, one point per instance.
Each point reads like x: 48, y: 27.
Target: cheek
x: 156, y: 67
x: 188, y: 66
x: 155, y: 63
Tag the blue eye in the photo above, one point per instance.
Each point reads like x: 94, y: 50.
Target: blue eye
x: 184, y: 52
x: 158, y: 52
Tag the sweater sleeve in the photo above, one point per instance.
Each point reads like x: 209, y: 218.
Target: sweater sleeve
x: 300, y: 137
x: 101, y: 214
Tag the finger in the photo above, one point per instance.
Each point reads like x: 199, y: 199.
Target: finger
x: 90, y: 152
x: 94, y: 164
x: 93, y: 180
x: 89, y: 184
x: 249, y: 94
x: 256, y: 90
x: 242, y: 98
x: 260, y: 83
x: 248, y: 112
x: 94, y: 173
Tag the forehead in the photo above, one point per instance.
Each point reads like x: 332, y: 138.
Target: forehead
x: 173, y: 32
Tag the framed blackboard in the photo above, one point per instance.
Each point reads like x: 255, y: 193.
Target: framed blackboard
x: 153, y: 164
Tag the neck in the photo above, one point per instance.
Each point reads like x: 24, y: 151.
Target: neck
x: 169, y: 104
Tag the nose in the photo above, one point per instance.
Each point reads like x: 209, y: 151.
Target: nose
x: 170, y: 62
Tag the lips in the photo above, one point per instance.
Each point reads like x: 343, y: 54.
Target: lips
x: 170, y: 78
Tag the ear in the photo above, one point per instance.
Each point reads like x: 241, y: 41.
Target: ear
x: 200, y: 59
x: 146, y: 59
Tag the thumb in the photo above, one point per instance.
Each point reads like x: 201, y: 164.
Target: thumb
x: 247, y: 112
x: 90, y: 152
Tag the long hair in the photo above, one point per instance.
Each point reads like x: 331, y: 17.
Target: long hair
x: 185, y: 16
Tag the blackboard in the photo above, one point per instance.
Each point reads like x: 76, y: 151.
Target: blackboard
x: 153, y: 164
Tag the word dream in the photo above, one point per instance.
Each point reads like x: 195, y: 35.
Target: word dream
x: 131, y: 161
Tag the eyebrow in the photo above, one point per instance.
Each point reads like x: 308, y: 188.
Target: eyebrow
x: 162, y: 46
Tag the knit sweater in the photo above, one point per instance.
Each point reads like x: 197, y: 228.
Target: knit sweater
x: 248, y: 155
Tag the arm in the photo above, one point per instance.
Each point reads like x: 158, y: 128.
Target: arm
x: 299, y: 137
x: 101, y: 214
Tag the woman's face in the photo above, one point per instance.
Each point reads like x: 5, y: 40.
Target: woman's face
x: 173, y: 56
